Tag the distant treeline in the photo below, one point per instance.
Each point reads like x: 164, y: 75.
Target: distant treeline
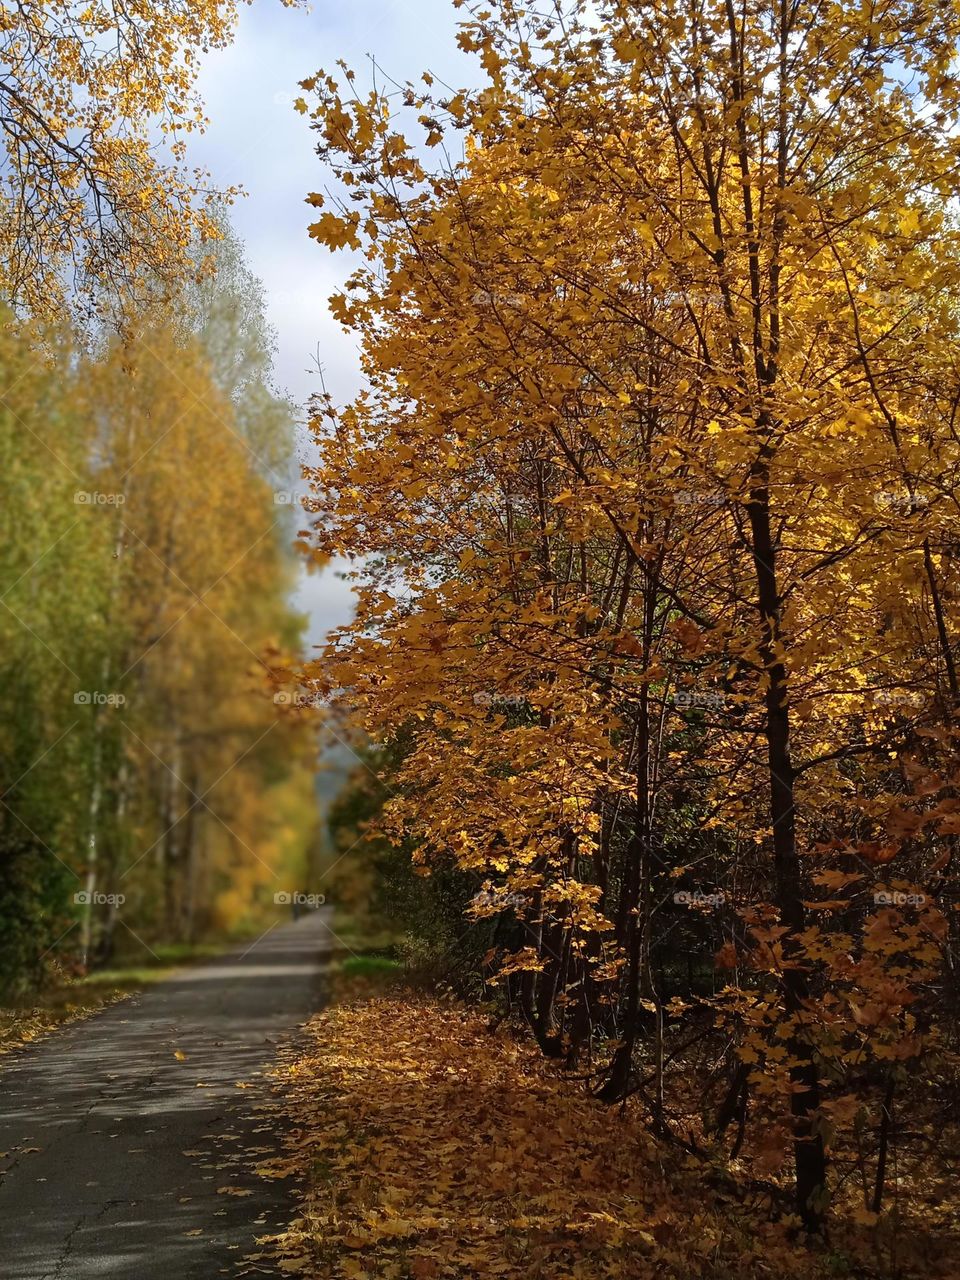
x: 150, y: 785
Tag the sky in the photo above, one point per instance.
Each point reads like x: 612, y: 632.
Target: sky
x: 257, y: 140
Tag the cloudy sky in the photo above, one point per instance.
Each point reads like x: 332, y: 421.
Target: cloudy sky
x: 257, y: 140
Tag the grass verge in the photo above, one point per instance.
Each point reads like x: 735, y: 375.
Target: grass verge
x: 30, y: 1018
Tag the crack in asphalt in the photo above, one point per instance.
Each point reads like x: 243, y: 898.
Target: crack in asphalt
x: 57, y: 1273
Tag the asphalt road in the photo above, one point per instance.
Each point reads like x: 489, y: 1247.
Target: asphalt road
x: 96, y: 1123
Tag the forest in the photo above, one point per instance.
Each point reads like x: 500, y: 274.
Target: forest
x: 152, y: 790
x: 647, y: 864
x: 146, y: 763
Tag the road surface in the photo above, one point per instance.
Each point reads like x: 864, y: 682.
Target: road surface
x: 120, y: 1158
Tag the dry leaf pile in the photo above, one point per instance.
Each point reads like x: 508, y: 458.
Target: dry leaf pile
x: 431, y: 1148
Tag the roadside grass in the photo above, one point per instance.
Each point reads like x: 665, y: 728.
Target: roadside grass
x: 366, y: 966
x: 365, y: 962
x: 68, y: 997
x: 364, y: 935
x: 365, y: 959
x: 142, y: 970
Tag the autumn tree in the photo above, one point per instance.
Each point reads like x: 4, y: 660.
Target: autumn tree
x: 96, y: 106
x: 202, y: 570
x: 153, y: 787
x: 653, y: 489
x: 46, y: 745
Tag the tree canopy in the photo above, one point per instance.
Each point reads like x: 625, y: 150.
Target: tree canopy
x: 652, y: 492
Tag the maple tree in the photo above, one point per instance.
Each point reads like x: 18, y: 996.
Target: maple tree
x: 652, y: 493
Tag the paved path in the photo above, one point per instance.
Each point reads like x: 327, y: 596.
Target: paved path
x: 96, y: 1123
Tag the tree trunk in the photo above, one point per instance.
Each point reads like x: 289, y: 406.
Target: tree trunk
x: 809, y: 1154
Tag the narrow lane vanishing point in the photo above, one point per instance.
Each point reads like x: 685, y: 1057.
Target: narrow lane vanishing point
x: 120, y: 1158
